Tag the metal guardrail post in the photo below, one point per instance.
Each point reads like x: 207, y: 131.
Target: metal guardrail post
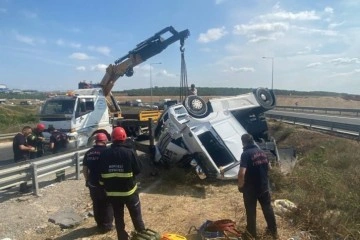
x: 151, y: 132
x: 35, y: 182
x: 77, y: 162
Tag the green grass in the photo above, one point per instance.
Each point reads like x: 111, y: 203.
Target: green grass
x: 14, y: 118
x: 325, y: 183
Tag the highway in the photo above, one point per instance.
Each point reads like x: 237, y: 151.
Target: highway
x: 6, y: 155
x: 322, y: 117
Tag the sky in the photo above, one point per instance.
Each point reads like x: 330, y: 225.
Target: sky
x: 293, y: 45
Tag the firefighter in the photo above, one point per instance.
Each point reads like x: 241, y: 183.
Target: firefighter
x: 22, y: 152
x: 103, y: 212
x: 36, y: 139
x: 58, y: 143
x: 118, y: 168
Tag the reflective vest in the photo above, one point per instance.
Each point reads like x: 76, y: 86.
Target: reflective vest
x: 118, y: 167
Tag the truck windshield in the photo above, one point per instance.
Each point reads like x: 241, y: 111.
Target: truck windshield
x: 58, y: 106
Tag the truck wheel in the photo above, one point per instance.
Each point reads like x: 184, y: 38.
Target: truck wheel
x: 196, y: 106
x: 265, y: 98
x: 91, y: 141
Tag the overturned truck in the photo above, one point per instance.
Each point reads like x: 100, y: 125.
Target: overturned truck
x: 207, y: 135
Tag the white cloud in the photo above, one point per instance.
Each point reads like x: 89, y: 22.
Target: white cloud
x: 27, y: 39
x: 270, y: 37
x: 99, y: 68
x: 329, y: 10
x: 306, y: 50
x: 276, y: 6
x: 246, y: 29
x: 283, y: 15
x: 219, y: 1
x: 346, y: 74
x: 313, y: 65
x: 3, y: 10
x: 341, y: 61
x: 206, y: 50
x: 79, y: 56
x: 335, y: 25
x: 164, y: 73
x: 24, y: 39
x: 81, y: 68
x: 240, y: 69
x: 60, y: 42
x: 28, y: 14
x: 75, y: 45
x: 101, y: 49
x: 212, y: 34
x: 324, y: 32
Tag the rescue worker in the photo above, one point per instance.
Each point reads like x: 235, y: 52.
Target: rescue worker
x: 36, y: 139
x: 118, y: 167
x: 58, y: 143
x: 103, y: 212
x: 22, y: 151
x: 193, y: 90
x: 253, y: 183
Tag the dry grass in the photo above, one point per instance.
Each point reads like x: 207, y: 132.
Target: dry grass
x: 324, y: 184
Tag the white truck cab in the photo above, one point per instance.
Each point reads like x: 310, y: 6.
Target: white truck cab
x: 81, y: 113
x: 207, y: 136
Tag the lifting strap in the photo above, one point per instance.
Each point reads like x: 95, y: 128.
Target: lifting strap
x: 183, y: 76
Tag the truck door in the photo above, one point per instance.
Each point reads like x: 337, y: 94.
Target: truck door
x: 84, y: 112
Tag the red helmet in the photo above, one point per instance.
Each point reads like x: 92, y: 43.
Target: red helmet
x: 40, y: 127
x: 118, y: 134
x: 101, y: 137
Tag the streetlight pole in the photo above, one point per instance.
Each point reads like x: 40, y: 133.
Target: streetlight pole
x: 151, y: 85
x: 272, y: 70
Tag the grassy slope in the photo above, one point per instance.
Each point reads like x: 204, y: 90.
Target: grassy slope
x: 324, y: 184
x: 13, y: 118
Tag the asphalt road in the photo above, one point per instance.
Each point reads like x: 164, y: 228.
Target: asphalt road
x: 6, y: 153
x: 323, y: 117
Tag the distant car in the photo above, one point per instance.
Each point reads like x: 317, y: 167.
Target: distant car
x: 207, y: 136
x: 25, y: 103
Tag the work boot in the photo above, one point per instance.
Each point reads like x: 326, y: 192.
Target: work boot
x: 272, y: 233
x: 24, y: 188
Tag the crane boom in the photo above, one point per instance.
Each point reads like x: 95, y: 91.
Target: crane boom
x: 143, y: 51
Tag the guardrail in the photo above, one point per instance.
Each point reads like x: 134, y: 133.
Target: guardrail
x: 344, y: 128
x: 17, y: 173
x: 7, y: 136
x: 317, y: 109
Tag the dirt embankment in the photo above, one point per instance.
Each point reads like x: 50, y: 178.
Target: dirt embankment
x: 172, y: 202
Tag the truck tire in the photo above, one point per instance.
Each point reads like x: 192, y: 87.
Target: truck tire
x: 265, y: 98
x: 196, y: 106
x: 91, y: 141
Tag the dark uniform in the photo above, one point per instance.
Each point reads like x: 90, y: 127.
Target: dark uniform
x: 20, y: 155
x: 118, y: 167
x: 35, y: 139
x: 256, y: 188
x: 60, y: 141
x: 103, y: 212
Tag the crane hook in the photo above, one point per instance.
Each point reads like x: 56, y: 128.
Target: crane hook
x: 182, y: 49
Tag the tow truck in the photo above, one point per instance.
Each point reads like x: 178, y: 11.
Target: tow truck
x: 89, y: 110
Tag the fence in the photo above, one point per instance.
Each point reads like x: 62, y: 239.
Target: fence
x: 7, y: 136
x: 17, y: 173
x: 344, y: 128
x: 349, y: 111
